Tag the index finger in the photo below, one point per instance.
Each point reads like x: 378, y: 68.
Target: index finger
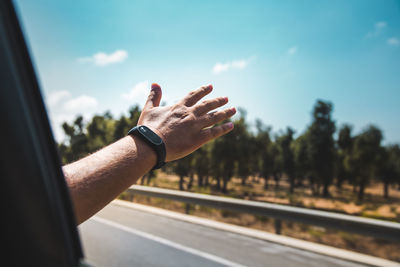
x: 194, y: 96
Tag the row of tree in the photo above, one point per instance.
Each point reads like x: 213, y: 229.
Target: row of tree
x: 314, y: 158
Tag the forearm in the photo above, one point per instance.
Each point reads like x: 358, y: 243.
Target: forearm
x: 97, y: 179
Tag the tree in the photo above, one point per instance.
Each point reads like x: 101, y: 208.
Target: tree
x: 321, y: 148
x: 182, y: 168
x: 263, y: 143
x: 76, y: 139
x: 216, y: 165
x: 301, y: 160
x: 201, y: 164
x: 122, y: 126
x: 389, y: 167
x: 134, y: 114
x: 65, y: 153
x: 314, y: 155
x: 363, y: 161
x: 100, y: 131
x: 276, y: 163
x: 287, y: 158
x: 345, y: 146
x: 224, y: 155
x: 244, y: 146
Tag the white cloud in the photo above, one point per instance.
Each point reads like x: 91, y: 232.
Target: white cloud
x: 103, y: 59
x: 378, y: 28
x: 221, y: 67
x: 393, y: 41
x: 64, y: 108
x: 292, y: 50
x: 380, y: 24
x: 55, y: 97
x: 237, y: 64
x: 138, y: 93
x: 80, y: 104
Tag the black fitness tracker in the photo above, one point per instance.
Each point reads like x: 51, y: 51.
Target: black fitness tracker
x: 152, y: 139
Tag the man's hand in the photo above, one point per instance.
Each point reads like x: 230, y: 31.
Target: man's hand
x: 186, y: 126
x: 97, y: 179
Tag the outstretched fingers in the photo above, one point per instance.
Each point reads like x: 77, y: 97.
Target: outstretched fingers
x: 208, y: 105
x: 214, y: 132
x: 194, y: 96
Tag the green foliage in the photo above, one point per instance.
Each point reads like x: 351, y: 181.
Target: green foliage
x: 244, y: 148
x: 286, y: 155
x: 264, y: 158
x: 313, y: 155
x: 388, y: 169
x: 77, y: 141
x: 183, y: 168
x: 224, y: 155
x: 321, y: 149
x: 345, y: 146
x: 364, y: 158
x: 201, y: 163
x: 276, y: 162
x: 84, y: 138
x: 301, y: 160
x: 100, y: 132
x: 122, y: 126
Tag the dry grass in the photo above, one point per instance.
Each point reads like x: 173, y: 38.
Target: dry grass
x: 343, y: 201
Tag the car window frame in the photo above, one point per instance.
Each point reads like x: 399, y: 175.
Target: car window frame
x: 36, y: 197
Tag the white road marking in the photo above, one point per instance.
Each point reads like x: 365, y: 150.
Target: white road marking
x: 167, y: 242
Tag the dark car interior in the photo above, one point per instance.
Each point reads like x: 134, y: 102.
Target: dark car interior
x: 39, y: 224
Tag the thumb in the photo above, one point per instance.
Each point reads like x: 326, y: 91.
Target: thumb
x: 154, y: 97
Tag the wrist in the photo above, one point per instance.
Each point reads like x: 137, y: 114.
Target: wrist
x: 153, y: 140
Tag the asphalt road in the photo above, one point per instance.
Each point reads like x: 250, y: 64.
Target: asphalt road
x: 121, y: 236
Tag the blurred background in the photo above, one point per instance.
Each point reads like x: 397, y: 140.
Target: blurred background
x: 317, y: 86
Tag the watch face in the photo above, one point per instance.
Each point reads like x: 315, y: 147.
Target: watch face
x: 150, y: 135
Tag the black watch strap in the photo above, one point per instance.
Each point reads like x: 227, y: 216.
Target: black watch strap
x: 152, y: 139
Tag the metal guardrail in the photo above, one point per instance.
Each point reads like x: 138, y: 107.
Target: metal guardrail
x: 364, y: 226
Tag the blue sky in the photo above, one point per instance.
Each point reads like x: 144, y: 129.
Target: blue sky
x: 273, y: 58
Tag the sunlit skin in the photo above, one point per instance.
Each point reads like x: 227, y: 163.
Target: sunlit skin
x: 97, y: 179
